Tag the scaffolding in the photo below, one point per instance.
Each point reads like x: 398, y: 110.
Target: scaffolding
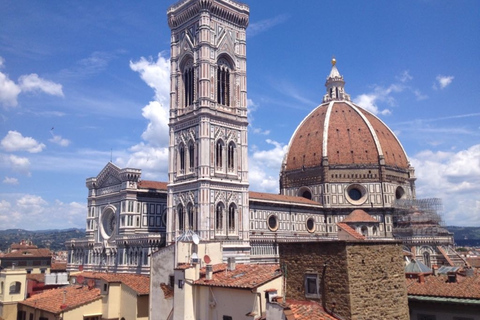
x: 418, y: 217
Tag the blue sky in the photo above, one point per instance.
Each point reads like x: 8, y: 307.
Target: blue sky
x: 85, y: 82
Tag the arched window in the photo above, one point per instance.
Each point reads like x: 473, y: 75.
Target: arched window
x: 219, y: 216
x: 181, y: 153
x: 188, y: 81
x: 223, y: 82
x: 375, y: 231
x: 191, y: 221
x: 231, y: 156
x: 364, y: 231
x: 181, y: 218
x: 426, y: 258
x: 191, y: 156
x: 15, y: 287
x: 219, y: 154
x: 231, y: 217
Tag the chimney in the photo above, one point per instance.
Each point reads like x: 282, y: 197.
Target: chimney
x: 469, y: 272
x: 421, y: 278
x: 208, y: 272
x: 435, y: 270
x: 231, y: 263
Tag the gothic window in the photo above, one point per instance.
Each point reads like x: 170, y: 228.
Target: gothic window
x: 223, y: 82
x: 191, y: 156
x: 191, y: 222
x: 426, y: 258
x: 181, y: 220
x: 181, y: 152
x: 219, y: 154
x: 188, y: 82
x: 231, y: 217
x: 219, y: 216
x: 231, y: 156
x: 364, y: 230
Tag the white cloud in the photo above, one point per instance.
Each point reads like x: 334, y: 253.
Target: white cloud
x: 152, y: 153
x: 9, y: 180
x: 9, y: 91
x: 264, y: 167
x: 453, y: 176
x: 263, y: 25
x: 443, y: 81
x: 59, y: 140
x: 15, y: 163
x: 33, y: 82
x: 18, y: 210
x: 405, y: 76
x: 14, y: 141
x: 156, y: 75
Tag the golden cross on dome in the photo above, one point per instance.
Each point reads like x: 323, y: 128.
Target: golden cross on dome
x: 333, y: 61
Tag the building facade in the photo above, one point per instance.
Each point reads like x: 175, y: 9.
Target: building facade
x: 340, y: 158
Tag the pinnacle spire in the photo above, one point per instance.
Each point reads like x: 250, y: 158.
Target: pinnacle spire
x: 335, y: 85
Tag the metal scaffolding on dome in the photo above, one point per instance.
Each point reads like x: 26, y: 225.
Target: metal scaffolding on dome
x: 419, y: 217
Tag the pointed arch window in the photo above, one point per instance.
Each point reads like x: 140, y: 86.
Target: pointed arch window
x: 181, y: 218
x: 219, y: 154
x: 223, y: 82
x: 232, y: 216
x: 219, y: 216
x: 231, y: 156
x: 188, y: 82
x: 181, y: 153
x: 190, y: 217
x: 191, y: 156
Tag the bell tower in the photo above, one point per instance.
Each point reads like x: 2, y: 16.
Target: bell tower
x: 208, y: 160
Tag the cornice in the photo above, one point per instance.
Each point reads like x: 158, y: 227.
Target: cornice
x: 229, y: 10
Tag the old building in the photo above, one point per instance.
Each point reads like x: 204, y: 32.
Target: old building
x: 341, y: 158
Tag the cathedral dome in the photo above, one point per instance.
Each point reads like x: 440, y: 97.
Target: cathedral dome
x: 340, y: 133
x: 342, y: 146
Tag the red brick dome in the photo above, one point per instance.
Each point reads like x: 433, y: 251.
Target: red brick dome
x: 344, y: 134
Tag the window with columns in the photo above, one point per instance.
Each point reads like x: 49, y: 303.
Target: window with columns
x: 191, y: 156
x: 231, y: 216
x: 219, y: 155
x: 223, y: 82
x: 181, y: 218
x: 188, y: 76
x: 219, y: 217
x: 231, y: 157
x: 181, y: 157
x: 190, y: 217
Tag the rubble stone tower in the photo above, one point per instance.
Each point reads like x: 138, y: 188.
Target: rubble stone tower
x: 208, y: 168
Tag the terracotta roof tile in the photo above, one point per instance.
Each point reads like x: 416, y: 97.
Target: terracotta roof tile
x: 58, y: 266
x: 438, y: 286
x: 474, y: 262
x: 280, y: 198
x: 350, y: 231
x: 29, y: 252
x: 359, y: 215
x: 139, y: 283
x: 38, y: 277
x: 148, y: 184
x: 306, y: 310
x: 246, y: 276
x: 52, y: 300
x: 167, y: 290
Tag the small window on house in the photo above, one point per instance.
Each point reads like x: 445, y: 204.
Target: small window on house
x: 105, y: 286
x: 15, y: 287
x: 312, y: 287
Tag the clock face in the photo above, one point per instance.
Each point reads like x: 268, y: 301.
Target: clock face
x: 109, y: 223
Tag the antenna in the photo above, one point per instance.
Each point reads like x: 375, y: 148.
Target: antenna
x: 111, y: 155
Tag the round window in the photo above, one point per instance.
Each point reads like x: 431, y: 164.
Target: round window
x: 356, y: 194
x: 109, y: 222
x: 399, y: 193
x: 273, y: 222
x: 311, y: 225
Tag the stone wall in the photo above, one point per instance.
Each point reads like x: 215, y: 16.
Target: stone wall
x: 357, y: 280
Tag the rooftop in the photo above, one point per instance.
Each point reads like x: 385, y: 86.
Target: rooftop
x: 438, y: 286
x: 280, y: 198
x: 306, y: 310
x: 359, y: 215
x: 29, y: 252
x: 53, y: 300
x: 245, y: 276
x: 139, y: 283
x: 345, y: 227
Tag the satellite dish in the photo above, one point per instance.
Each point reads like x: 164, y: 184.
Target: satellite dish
x: 194, y: 255
x: 207, y: 259
x: 195, y: 239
